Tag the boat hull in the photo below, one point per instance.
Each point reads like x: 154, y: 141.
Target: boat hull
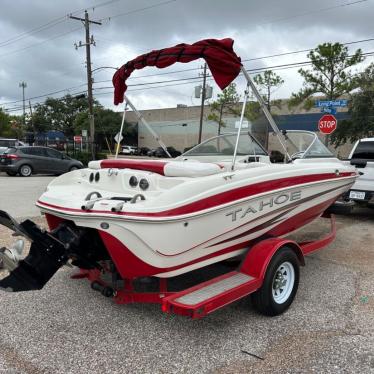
x: 166, y: 245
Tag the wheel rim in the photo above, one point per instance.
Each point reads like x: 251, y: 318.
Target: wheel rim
x: 283, y: 282
x: 26, y: 170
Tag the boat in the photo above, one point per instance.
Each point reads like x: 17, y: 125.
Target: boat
x: 223, y: 199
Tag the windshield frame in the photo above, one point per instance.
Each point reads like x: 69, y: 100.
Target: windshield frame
x: 266, y: 153
x: 307, y: 150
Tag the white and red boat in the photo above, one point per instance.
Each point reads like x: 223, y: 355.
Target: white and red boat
x: 136, y: 218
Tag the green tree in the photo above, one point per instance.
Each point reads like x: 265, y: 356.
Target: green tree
x: 226, y: 103
x: 10, y: 126
x: 107, y: 124
x: 268, y: 82
x: 361, y: 110
x: 329, y: 74
x: 59, y: 114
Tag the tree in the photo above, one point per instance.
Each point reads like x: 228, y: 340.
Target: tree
x: 361, y: 110
x: 268, y: 81
x: 107, y: 124
x: 329, y: 74
x: 10, y: 126
x: 226, y: 103
x: 59, y: 114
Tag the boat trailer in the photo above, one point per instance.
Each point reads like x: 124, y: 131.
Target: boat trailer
x: 51, y: 250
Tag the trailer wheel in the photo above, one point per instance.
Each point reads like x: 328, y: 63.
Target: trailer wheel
x: 280, y: 284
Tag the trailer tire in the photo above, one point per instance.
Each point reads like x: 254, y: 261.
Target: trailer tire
x: 280, y: 284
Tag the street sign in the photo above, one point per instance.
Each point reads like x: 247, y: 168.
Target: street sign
x: 77, y: 139
x: 330, y: 103
x: 329, y: 110
x: 118, y: 138
x: 327, y: 124
x: 84, y: 133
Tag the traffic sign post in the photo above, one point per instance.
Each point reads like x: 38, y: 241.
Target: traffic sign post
x: 330, y: 103
x: 78, y: 140
x: 329, y: 110
x: 327, y: 124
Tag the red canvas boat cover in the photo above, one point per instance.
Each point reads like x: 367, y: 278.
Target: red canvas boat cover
x: 223, y: 63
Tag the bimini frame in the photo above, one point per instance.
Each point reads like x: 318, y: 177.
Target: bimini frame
x: 250, y: 85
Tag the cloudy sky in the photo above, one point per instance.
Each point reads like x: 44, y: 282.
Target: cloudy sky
x: 37, y: 42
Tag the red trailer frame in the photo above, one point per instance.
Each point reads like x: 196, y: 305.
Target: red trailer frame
x: 252, y: 269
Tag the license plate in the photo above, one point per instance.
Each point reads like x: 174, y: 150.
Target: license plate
x: 357, y: 195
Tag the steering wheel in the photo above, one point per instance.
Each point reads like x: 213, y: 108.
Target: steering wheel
x: 297, y: 154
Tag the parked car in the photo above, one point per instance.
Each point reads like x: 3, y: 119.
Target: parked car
x: 36, y: 160
x: 362, y: 156
x: 129, y: 150
x: 6, y: 143
x: 151, y: 153
x: 159, y: 152
x: 143, y: 151
x: 362, y: 192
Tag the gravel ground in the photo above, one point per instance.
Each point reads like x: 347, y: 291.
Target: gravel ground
x: 68, y: 328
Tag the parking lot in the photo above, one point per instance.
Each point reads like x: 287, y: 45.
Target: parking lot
x: 68, y: 327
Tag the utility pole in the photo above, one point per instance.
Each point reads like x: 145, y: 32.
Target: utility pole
x: 202, y: 104
x: 23, y: 85
x: 89, y: 40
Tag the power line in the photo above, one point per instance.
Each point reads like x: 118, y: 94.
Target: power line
x: 41, y: 42
x: 137, y: 10
x: 245, y: 60
x: 50, y: 24
x: 313, y: 12
x: 189, y: 79
x: 303, y: 50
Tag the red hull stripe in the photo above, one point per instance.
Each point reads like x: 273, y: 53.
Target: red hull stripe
x: 220, y: 199
x: 131, y: 266
x: 146, y: 165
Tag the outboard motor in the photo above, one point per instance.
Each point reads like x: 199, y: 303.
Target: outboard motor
x: 10, y: 256
x: 48, y: 252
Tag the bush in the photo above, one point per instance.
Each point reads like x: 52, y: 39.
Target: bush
x: 101, y: 155
x: 83, y: 157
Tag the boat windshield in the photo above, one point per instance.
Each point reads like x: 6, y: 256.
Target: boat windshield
x: 223, y: 146
x: 305, y: 144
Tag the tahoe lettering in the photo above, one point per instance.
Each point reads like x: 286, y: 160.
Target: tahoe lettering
x: 259, y: 206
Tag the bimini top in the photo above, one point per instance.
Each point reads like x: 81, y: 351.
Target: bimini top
x: 223, y: 62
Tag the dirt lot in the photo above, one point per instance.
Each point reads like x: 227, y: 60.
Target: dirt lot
x: 68, y: 328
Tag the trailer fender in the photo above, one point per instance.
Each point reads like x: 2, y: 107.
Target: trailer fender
x: 259, y: 256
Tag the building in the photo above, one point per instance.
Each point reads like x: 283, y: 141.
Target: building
x: 179, y: 127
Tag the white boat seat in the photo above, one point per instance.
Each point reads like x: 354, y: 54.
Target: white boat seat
x: 167, y: 168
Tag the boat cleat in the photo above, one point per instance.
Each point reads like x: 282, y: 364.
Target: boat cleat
x: 10, y: 257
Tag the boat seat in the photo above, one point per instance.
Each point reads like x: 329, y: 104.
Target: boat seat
x: 190, y: 169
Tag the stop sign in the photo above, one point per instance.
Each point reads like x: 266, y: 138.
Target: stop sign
x: 77, y: 139
x: 327, y: 124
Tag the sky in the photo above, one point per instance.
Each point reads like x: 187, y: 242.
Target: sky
x: 37, y: 43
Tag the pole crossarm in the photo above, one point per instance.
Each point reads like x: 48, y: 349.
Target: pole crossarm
x: 83, y: 20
